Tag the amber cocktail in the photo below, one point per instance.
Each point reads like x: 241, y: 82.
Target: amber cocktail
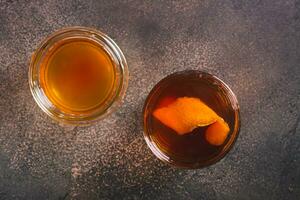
x: 77, y: 75
x: 191, y: 119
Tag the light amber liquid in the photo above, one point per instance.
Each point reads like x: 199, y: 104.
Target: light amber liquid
x: 77, y: 75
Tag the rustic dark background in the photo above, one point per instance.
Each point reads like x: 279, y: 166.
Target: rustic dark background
x: 254, y: 46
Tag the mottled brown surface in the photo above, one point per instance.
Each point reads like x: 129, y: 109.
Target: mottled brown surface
x: 254, y: 46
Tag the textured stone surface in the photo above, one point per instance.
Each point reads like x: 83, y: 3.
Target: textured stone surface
x: 254, y: 46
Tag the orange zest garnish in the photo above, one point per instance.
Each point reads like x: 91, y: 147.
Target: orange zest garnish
x: 166, y: 101
x: 185, y: 114
x: 217, y: 132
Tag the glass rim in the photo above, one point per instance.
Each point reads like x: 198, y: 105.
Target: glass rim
x: 196, y: 165
x: 114, y: 52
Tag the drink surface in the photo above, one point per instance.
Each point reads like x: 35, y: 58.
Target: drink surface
x: 77, y: 75
x: 191, y: 147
